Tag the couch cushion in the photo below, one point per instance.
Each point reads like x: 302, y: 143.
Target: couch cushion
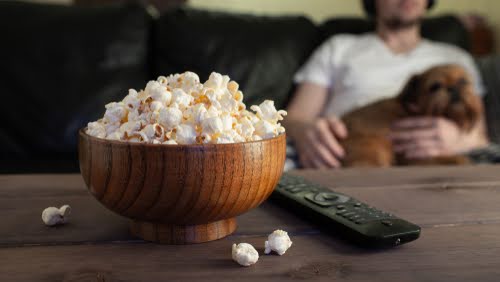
x: 261, y: 53
x: 446, y: 28
x: 59, y: 66
x: 490, y: 72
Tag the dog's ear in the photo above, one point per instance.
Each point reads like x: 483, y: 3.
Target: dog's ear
x: 408, y: 97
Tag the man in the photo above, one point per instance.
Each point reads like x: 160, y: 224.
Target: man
x: 350, y: 71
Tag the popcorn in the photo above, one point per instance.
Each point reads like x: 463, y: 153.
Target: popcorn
x: 228, y: 102
x: 267, y: 111
x: 277, y: 241
x: 179, y: 109
x: 244, y: 254
x: 153, y: 132
x: 132, y: 100
x: 54, y: 216
x: 115, y: 136
x: 233, y: 86
x: 96, y: 129
x: 130, y: 127
x: 229, y: 137
x: 115, y: 112
x: 213, y: 98
x: 170, y: 142
x: 111, y: 128
x: 212, y: 112
x: 155, y: 106
x: 238, y: 96
x: 170, y: 117
x: 181, y: 99
x: 190, y: 82
x: 245, y: 128
x: 256, y: 138
x: 136, y: 138
x: 265, y: 129
x: 158, y: 92
x: 186, y: 134
x: 212, y: 125
x: 217, y: 81
x: 196, y: 113
x: 227, y: 122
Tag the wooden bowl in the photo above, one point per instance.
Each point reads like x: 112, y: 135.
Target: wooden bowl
x: 181, y: 194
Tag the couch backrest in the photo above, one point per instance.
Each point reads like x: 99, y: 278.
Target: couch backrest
x: 490, y: 72
x: 260, y: 53
x: 59, y: 66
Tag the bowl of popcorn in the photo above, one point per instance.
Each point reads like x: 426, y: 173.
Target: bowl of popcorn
x: 182, y: 158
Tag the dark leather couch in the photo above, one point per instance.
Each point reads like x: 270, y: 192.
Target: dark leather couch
x: 61, y: 64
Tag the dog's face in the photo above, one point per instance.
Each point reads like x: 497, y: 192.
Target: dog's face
x: 445, y: 91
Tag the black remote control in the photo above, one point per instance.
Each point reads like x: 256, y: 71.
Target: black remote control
x: 345, y: 216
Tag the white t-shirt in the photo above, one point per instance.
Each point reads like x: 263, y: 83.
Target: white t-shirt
x: 361, y: 69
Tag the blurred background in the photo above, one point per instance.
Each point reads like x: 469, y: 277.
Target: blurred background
x: 63, y: 60
x: 480, y: 16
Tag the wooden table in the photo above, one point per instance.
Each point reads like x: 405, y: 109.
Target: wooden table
x: 458, y: 208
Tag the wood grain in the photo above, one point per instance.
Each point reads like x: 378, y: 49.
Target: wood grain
x: 453, y: 253
x: 171, y: 234
x: 430, y: 197
x: 190, y: 192
x: 457, y: 207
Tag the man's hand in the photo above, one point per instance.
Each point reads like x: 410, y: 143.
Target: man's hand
x: 426, y: 137
x: 318, y: 146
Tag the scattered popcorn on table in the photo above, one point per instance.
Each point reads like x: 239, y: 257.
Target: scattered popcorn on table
x: 53, y: 216
x: 179, y: 109
x: 278, y: 241
x: 245, y: 254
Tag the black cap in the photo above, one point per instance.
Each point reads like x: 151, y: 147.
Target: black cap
x: 370, y: 10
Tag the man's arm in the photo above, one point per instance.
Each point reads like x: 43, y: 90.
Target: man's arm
x: 316, y: 139
x: 305, y: 106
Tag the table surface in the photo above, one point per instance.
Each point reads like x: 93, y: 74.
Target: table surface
x: 457, y: 207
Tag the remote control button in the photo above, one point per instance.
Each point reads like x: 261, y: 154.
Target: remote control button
x: 341, y: 211
x: 320, y: 201
x: 386, y: 222
x: 330, y: 196
x: 360, y: 221
x: 340, y: 207
x: 295, y: 190
x: 325, y: 197
x: 357, y: 205
x: 354, y: 216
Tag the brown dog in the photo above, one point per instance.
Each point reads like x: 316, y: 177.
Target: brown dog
x: 442, y: 91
